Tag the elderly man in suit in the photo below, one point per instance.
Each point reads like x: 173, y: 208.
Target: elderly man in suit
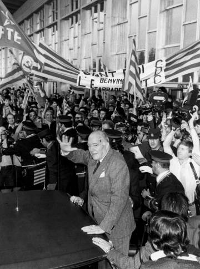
x: 108, y: 194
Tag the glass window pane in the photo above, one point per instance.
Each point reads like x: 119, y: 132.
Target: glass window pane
x: 169, y: 51
x: 191, y: 10
x: 151, y: 46
x: 189, y: 33
x: 153, y: 13
x: 133, y: 18
x: 173, y: 26
x: 141, y: 57
x: 142, y: 33
x: 143, y: 7
x: 119, y: 11
x: 173, y: 2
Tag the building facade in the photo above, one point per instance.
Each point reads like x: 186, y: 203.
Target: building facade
x: 94, y: 33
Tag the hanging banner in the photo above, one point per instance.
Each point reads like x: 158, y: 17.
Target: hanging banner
x: 151, y: 74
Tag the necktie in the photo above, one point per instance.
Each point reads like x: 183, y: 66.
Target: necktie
x: 96, y: 167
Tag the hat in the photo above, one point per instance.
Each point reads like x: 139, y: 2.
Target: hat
x: 113, y: 134
x: 154, y: 133
x: 29, y: 126
x: 120, y: 125
x: 66, y: 120
x: 83, y: 131
x: 160, y: 156
x: 44, y: 133
x: 71, y: 132
x: 95, y: 122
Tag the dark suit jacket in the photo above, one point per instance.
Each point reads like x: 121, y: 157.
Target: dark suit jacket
x: 108, y: 195
x: 168, y: 184
x: 23, y: 147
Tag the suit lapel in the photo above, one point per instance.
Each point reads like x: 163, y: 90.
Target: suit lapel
x: 103, y: 165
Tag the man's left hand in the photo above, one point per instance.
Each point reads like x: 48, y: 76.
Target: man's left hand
x: 93, y: 229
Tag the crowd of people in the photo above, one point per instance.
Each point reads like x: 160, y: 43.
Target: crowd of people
x: 120, y: 160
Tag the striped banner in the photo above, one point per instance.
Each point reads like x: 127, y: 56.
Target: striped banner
x: 55, y: 67
x: 134, y: 84
x: 12, y: 77
x: 186, y: 60
x: 39, y: 175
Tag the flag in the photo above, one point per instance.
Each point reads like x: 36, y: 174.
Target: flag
x: 189, y: 89
x: 133, y: 77
x: 14, y: 76
x: 55, y: 67
x: 183, y: 62
x: 11, y: 35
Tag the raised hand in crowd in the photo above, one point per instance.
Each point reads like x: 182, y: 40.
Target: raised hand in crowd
x: 66, y: 145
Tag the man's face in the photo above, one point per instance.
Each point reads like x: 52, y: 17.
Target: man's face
x: 154, y: 143
x: 154, y: 167
x: 102, y: 114
x: 105, y: 126
x: 32, y: 116
x: 7, y: 102
x: 183, y: 152
x: 49, y: 116
x: 96, y: 146
x: 78, y: 118
x: 10, y: 119
x: 95, y: 113
x: 44, y: 142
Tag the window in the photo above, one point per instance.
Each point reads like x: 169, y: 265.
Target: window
x: 119, y: 11
x: 64, y: 8
x: 173, y: 34
x: 133, y: 18
x: 190, y: 22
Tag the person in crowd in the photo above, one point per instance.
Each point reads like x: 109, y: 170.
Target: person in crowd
x: 95, y: 125
x: 49, y: 120
x: 103, y: 114
x: 116, y: 143
x: 182, y: 166
x: 79, y: 119
x: 178, y: 203
x: 23, y: 148
x: 81, y: 169
x: 108, y: 192
x: 10, y: 165
x: 7, y: 108
x: 65, y: 124
x: 165, y: 180
x: 107, y: 124
x: 168, y: 235
x: 40, y: 94
x: 10, y: 125
x: 171, y: 202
